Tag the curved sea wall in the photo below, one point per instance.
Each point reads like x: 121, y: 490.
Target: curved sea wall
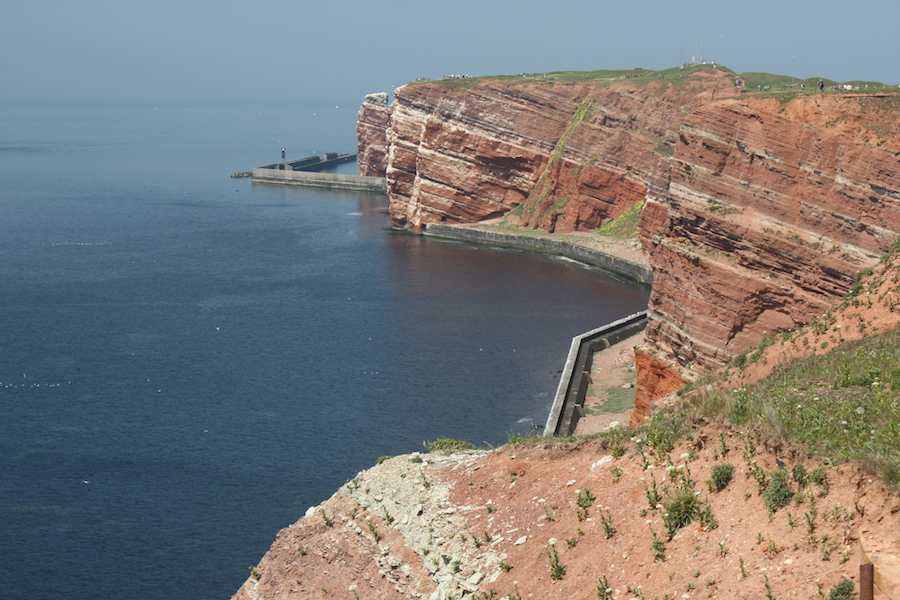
x: 544, y: 245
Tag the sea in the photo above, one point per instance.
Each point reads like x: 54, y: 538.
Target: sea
x: 188, y: 361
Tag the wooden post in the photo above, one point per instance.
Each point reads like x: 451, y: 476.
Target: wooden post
x: 866, y: 581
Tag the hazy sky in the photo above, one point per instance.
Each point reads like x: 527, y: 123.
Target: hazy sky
x: 340, y: 50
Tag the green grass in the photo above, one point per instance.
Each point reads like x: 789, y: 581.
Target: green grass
x: 625, y: 226
x: 449, y: 445
x: 842, y: 406
x: 676, y: 76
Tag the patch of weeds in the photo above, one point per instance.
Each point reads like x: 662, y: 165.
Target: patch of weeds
x: 819, y: 477
x: 375, y: 535
x: 557, y: 571
x: 801, y: 475
x: 329, y: 522
x: 681, y: 504
x: 381, y: 459
x: 415, y: 459
x: 547, y: 511
x: 505, y: 566
x: 584, y: 501
x: 778, y: 493
x: 616, y: 473
x: 845, y: 590
x: 720, y: 477
x: 658, y: 547
x: 604, y: 590
x: 759, y: 474
x: 449, y: 445
x: 706, y: 518
x: 606, y: 520
x: 769, y: 594
x: 652, y: 494
x: 254, y: 573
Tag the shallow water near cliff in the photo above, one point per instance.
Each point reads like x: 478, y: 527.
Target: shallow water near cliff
x: 189, y: 361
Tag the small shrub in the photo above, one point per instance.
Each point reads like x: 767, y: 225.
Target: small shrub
x: 681, y: 508
x: 720, y: 477
x: 585, y: 498
x: 843, y: 591
x: 778, y: 493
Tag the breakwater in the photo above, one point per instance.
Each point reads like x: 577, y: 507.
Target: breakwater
x: 545, y: 245
x: 320, y: 180
x: 568, y: 404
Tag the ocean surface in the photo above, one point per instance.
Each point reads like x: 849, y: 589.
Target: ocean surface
x: 189, y: 361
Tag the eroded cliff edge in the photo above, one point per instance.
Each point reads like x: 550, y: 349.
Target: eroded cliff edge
x: 757, y: 210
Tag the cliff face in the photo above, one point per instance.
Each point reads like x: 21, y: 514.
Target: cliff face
x: 371, y: 129
x: 758, y: 211
x: 561, y: 157
x: 763, y: 216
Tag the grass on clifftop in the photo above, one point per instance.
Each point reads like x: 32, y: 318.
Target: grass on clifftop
x: 677, y: 75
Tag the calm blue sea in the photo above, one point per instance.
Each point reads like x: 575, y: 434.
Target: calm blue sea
x: 188, y: 361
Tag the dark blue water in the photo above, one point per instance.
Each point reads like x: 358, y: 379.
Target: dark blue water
x: 189, y: 361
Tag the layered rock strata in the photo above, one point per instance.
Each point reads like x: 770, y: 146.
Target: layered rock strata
x: 763, y: 216
x: 371, y: 131
x: 758, y: 211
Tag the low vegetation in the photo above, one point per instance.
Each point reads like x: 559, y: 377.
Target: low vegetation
x: 841, y: 406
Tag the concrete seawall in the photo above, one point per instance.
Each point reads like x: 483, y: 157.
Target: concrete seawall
x: 568, y: 404
x: 320, y: 180
x: 588, y: 256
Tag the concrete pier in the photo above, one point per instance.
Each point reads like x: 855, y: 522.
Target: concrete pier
x: 307, y: 172
x: 320, y: 180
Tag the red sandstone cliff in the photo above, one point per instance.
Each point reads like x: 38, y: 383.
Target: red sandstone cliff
x: 763, y: 216
x: 371, y: 129
x: 758, y: 211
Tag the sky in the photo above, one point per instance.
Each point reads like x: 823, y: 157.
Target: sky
x: 338, y: 51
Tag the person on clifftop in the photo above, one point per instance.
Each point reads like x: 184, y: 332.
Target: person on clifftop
x: 821, y: 86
